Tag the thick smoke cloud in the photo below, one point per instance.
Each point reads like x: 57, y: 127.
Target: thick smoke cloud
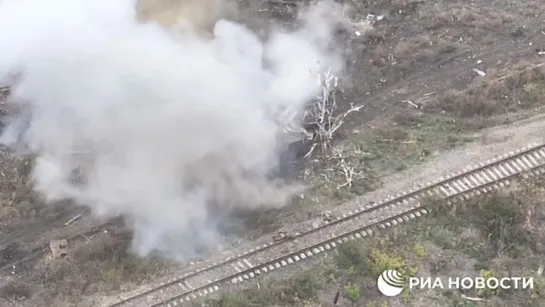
x: 171, y: 131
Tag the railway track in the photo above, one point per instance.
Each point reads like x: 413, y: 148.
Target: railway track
x: 362, y: 222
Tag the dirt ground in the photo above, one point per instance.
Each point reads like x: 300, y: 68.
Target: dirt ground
x: 427, y: 111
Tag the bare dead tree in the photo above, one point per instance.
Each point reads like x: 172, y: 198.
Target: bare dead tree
x: 318, y: 125
x: 323, y: 115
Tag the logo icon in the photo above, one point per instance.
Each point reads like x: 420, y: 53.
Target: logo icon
x: 390, y: 283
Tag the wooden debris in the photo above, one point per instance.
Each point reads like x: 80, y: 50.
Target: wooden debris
x: 75, y: 218
x: 475, y: 299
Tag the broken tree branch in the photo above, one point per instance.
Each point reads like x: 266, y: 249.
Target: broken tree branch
x: 324, y: 115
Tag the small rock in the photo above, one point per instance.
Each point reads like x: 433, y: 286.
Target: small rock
x: 327, y: 216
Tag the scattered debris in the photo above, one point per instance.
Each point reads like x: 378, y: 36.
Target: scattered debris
x: 59, y: 248
x: 281, y: 235
x: 282, y: 7
x: 362, y: 26
x: 374, y: 18
x: 479, y: 72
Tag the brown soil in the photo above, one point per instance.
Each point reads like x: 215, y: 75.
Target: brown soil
x: 421, y: 54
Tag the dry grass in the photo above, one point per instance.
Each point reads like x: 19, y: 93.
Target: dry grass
x: 409, y: 52
x: 99, y: 266
x: 478, y: 19
x: 440, y: 29
x: 387, y: 146
x: 299, y: 291
x: 17, y: 200
x: 522, y: 87
x: 15, y: 292
x: 409, y: 138
x: 421, y: 49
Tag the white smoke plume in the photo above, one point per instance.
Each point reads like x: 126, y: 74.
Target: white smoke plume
x: 172, y: 132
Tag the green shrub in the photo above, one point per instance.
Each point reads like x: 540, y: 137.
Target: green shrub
x: 352, y: 293
x: 502, y: 222
x: 487, y: 292
x: 419, y: 250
